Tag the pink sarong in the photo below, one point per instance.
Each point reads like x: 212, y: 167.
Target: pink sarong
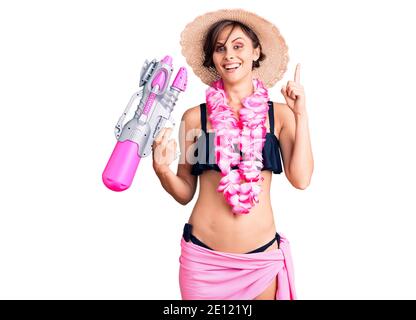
x: 206, y: 274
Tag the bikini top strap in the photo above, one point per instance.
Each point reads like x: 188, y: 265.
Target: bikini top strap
x: 203, y: 108
x: 271, y: 116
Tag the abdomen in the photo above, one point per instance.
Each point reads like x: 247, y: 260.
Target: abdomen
x: 218, y: 227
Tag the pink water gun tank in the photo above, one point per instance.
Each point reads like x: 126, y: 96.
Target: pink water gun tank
x: 135, y: 138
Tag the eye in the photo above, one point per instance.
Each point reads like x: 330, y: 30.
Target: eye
x: 238, y: 46
x: 219, y: 49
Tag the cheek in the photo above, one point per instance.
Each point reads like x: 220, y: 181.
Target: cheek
x: 248, y: 59
x: 216, y: 59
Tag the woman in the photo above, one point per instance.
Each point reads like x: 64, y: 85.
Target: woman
x: 230, y: 247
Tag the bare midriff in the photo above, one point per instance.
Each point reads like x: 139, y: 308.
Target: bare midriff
x: 219, y: 228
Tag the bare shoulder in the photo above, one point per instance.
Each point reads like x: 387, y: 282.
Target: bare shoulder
x: 192, y: 117
x: 282, y: 115
x: 191, y: 121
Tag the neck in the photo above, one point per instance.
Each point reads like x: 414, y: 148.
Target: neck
x: 237, y: 92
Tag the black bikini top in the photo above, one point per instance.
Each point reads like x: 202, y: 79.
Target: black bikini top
x: 206, y: 157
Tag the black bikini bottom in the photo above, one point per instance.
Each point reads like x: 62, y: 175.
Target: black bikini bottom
x: 187, y: 235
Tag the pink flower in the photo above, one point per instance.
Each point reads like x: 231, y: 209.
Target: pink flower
x: 247, y: 134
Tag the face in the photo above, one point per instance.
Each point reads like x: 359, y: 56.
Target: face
x: 233, y: 59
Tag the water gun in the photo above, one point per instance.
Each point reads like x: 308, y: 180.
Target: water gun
x: 135, y: 138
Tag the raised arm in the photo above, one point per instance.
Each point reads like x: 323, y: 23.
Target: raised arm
x: 294, y: 136
x: 296, y: 147
x: 182, y: 185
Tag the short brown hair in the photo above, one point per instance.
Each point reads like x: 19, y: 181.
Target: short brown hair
x: 212, y: 37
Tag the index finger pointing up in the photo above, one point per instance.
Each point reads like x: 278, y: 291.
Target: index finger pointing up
x: 297, y: 73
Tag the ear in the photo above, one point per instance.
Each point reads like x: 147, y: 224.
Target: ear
x: 256, y: 53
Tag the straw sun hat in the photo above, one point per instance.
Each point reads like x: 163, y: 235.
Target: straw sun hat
x: 273, y: 45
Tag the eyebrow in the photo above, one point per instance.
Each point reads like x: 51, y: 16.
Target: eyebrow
x: 231, y: 41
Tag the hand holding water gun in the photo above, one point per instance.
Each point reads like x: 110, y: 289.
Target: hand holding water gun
x: 135, y: 138
x: 164, y: 151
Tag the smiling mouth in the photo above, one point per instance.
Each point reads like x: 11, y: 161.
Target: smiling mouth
x: 232, y: 67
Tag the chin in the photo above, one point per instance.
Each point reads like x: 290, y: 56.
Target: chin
x: 234, y: 79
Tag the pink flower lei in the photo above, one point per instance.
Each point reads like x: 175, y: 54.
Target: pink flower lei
x: 239, y: 186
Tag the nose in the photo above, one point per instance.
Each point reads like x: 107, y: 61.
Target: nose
x: 228, y: 59
x: 229, y: 55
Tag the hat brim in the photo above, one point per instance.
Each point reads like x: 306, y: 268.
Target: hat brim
x: 273, y: 45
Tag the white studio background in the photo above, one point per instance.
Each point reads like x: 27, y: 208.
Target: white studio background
x: 67, y: 71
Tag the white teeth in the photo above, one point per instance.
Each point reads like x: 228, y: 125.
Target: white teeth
x: 232, y: 66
